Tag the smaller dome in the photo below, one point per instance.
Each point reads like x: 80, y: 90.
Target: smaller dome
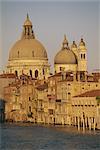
x: 65, y: 55
x: 27, y: 22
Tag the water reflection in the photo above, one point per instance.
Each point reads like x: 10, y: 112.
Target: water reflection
x: 33, y: 137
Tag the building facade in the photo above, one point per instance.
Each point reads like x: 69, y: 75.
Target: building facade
x: 59, y: 100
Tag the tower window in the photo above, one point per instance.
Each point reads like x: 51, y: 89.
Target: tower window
x: 84, y: 56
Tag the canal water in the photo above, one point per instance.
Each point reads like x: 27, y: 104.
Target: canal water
x: 33, y: 137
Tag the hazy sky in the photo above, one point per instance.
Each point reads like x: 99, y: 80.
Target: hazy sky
x: 51, y: 20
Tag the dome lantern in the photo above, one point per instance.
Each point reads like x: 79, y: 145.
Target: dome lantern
x: 28, y: 31
x: 27, y: 21
x: 65, y: 43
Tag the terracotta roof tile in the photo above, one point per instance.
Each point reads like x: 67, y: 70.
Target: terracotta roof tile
x: 92, y: 93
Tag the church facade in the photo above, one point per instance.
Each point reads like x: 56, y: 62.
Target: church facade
x: 71, y: 58
x: 28, y: 55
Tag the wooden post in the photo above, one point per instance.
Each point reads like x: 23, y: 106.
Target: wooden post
x: 83, y: 125
x: 89, y: 123
x: 94, y: 125
x: 78, y: 124
x: 75, y: 121
x: 86, y: 122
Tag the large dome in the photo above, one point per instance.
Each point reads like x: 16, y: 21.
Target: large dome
x: 27, y: 49
x: 65, y: 55
x: 28, y: 55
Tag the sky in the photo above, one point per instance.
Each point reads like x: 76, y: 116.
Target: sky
x: 51, y: 20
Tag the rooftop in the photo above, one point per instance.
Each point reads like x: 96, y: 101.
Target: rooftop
x: 92, y: 93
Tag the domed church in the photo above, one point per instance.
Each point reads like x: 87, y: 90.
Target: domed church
x: 71, y: 59
x: 28, y: 55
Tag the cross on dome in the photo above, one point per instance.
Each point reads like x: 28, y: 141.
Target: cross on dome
x: 27, y: 16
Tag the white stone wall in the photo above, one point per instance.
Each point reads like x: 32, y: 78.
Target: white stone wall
x: 26, y: 65
x: 65, y: 67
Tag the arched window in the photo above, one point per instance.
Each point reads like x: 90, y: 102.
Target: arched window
x: 36, y: 73
x: 16, y: 73
x: 31, y: 73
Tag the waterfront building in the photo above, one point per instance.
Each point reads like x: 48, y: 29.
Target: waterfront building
x: 5, y: 80
x: 53, y: 101
x: 86, y: 110
x: 41, y: 103
x: 33, y: 95
x: 19, y: 97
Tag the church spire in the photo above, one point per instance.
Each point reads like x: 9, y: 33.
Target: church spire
x: 28, y: 31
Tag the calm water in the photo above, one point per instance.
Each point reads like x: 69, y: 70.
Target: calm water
x: 29, y: 137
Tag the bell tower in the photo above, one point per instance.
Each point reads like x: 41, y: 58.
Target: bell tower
x: 82, y: 56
